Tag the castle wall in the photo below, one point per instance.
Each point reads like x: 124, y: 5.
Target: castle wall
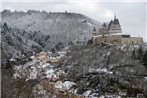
x: 114, y: 39
x: 117, y: 39
x: 115, y: 31
x: 132, y: 40
x: 97, y: 40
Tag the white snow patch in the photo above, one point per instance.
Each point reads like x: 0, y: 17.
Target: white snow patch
x: 68, y: 84
x: 145, y: 78
x: 108, y: 53
x: 32, y: 57
x: 123, y: 48
x: 12, y: 59
x: 33, y: 73
x: 50, y: 71
x: 46, y: 65
x: 100, y: 70
x: 87, y: 93
x: 64, y: 86
x: 89, y: 23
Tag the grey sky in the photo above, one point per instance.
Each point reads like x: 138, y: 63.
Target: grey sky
x: 132, y: 15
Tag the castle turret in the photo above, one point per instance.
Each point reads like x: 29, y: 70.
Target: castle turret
x: 94, y: 32
x: 111, y: 28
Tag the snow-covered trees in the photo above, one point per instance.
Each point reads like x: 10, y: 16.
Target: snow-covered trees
x: 60, y: 26
x: 14, y: 45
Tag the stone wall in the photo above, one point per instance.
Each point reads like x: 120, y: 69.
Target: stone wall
x: 103, y: 30
x: 117, y: 39
x: 114, y: 39
x: 132, y: 40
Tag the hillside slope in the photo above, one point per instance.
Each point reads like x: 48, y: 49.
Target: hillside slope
x: 62, y: 27
x: 87, y: 57
x: 109, y: 68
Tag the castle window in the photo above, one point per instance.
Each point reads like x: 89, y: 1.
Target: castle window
x: 132, y: 43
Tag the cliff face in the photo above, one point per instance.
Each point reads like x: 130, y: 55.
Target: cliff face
x: 108, y: 68
x: 109, y: 56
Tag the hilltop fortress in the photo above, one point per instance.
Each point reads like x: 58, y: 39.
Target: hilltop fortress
x: 111, y: 33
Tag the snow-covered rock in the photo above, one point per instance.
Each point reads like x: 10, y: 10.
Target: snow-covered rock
x: 87, y: 93
x: 64, y: 86
x: 33, y: 73
x: 46, y: 65
x: 105, y: 70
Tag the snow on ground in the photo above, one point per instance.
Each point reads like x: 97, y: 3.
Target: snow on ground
x: 39, y: 69
x: 100, y: 70
x: 18, y: 71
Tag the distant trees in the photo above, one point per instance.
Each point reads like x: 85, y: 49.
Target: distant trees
x: 16, y: 41
x: 55, y: 26
x: 59, y: 46
x: 5, y: 27
x: 37, y: 36
x: 36, y: 48
x: 53, y: 50
x: 32, y: 11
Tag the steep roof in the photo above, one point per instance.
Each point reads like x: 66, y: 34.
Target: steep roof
x: 104, y: 24
x: 116, y: 21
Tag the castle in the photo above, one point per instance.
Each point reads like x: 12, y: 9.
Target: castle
x: 111, y: 33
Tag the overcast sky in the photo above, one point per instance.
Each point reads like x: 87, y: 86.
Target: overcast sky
x: 131, y: 14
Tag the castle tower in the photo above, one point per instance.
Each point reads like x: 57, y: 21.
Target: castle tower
x: 104, y: 29
x: 114, y: 26
x: 115, y: 16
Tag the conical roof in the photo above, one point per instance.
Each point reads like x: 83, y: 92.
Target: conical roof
x: 104, y: 24
x: 110, y: 24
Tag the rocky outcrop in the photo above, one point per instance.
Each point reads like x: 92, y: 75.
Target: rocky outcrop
x: 109, y: 56
x: 109, y: 68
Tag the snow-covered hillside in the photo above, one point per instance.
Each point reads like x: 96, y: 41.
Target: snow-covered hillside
x: 62, y: 27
